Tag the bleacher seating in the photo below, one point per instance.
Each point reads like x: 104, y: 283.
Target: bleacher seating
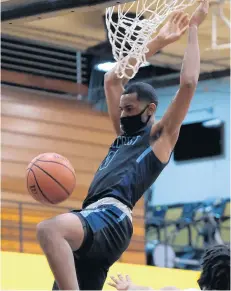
x: 19, y: 229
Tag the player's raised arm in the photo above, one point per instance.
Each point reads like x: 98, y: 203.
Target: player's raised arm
x: 114, y: 86
x: 171, y: 122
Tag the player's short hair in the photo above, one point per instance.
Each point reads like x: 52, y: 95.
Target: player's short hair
x: 145, y: 92
x: 215, y: 273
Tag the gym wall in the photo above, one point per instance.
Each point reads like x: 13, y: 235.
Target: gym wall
x: 197, y: 180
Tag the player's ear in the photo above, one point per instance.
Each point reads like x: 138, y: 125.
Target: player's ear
x: 151, y: 108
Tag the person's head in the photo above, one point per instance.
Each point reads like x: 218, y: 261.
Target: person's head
x: 138, y: 105
x: 215, y: 273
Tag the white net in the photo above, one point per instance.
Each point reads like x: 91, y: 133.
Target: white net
x: 130, y: 28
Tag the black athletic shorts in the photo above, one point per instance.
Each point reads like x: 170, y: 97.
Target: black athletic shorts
x: 108, y: 232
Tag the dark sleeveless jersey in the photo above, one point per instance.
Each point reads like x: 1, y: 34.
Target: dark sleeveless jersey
x: 128, y: 170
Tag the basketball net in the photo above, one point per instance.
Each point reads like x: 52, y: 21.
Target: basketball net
x: 129, y: 36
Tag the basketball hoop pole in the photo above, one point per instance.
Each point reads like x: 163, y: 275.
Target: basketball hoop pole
x: 218, y: 13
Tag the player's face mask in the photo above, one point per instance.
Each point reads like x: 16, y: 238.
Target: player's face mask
x: 131, y: 124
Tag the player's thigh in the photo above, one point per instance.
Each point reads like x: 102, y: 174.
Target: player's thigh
x: 67, y: 225
x: 112, y: 231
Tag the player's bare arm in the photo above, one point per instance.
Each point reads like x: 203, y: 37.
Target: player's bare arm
x: 125, y: 283
x: 114, y: 86
x: 169, y: 126
x: 122, y: 283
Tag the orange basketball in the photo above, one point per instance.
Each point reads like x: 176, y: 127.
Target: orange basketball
x: 50, y: 178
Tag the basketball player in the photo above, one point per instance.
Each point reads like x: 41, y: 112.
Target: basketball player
x: 81, y: 246
x: 215, y: 274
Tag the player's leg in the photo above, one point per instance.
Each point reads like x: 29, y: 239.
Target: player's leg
x: 89, y: 277
x: 59, y: 237
x: 111, y: 231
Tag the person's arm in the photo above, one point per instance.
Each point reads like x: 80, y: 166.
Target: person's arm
x: 122, y: 283
x: 170, y: 124
x: 135, y: 287
x: 114, y: 86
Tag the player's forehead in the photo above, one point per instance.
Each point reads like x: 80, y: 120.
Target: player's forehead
x: 129, y: 99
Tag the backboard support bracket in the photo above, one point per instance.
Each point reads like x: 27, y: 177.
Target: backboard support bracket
x: 218, y: 12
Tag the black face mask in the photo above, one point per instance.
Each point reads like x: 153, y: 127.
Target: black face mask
x: 131, y: 124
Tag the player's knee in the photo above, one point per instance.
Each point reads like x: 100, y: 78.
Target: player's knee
x: 66, y: 227
x: 45, y: 232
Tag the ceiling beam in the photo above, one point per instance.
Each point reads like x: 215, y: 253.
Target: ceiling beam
x: 23, y: 9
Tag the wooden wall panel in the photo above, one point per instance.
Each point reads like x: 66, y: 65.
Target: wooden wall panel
x: 44, y: 82
x: 133, y: 258
x: 53, y: 109
x: 55, y: 131
x: 18, y: 185
x: 11, y: 169
x: 57, y: 116
x: 23, y: 155
x: 43, y: 144
x: 30, y: 203
x: 33, y: 124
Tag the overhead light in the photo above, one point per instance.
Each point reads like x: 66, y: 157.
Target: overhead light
x: 212, y: 123
x: 107, y: 66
